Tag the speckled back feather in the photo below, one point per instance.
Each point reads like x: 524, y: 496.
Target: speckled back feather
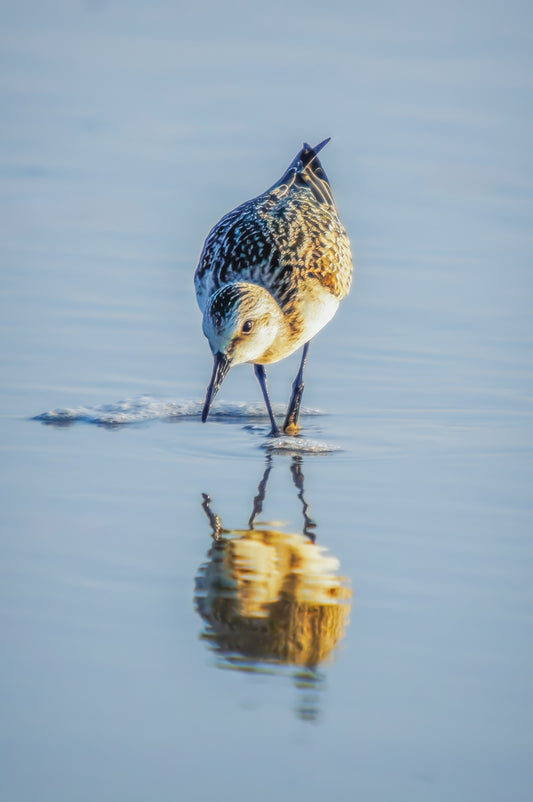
x: 289, y: 240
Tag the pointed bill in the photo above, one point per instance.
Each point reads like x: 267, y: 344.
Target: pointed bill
x: 221, y: 367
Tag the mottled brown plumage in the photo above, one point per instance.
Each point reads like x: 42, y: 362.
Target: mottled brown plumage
x: 272, y: 273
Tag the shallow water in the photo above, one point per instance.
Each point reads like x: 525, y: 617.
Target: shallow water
x: 191, y: 610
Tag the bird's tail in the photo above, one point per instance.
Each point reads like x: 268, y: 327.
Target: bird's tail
x: 306, y: 170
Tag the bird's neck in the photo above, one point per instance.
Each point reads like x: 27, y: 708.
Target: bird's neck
x: 288, y: 340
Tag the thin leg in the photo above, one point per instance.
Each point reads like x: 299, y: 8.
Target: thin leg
x: 260, y: 372
x: 261, y: 491
x: 293, y: 411
x: 214, y: 519
x: 298, y: 479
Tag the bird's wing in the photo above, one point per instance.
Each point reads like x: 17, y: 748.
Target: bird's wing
x: 306, y: 170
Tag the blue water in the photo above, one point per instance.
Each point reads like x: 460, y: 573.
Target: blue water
x: 128, y: 130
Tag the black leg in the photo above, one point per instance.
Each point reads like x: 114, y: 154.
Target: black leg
x: 298, y: 479
x: 214, y: 519
x: 260, y: 372
x: 293, y: 410
x: 261, y: 491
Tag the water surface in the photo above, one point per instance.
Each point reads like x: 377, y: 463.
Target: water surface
x: 388, y: 578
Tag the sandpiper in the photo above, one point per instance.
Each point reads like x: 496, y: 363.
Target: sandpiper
x: 271, y: 274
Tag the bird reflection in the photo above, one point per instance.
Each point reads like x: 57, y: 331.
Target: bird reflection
x: 272, y: 599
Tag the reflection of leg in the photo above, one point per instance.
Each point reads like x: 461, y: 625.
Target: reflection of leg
x: 308, y: 683
x: 298, y: 479
x: 293, y: 410
x: 260, y: 372
x: 261, y: 490
x: 214, y: 520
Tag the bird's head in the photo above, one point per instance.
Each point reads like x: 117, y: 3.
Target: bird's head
x: 241, y: 322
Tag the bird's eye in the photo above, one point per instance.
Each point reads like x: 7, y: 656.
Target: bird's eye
x: 247, y: 326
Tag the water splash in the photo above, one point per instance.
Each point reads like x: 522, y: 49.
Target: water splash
x: 287, y: 444
x: 145, y: 408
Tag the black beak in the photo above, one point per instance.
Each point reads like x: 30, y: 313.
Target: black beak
x: 220, y: 370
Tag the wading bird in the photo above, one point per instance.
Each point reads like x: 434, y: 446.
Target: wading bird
x: 271, y: 274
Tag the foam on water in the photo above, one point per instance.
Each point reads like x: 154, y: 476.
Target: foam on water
x: 298, y: 445
x: 146, y: 408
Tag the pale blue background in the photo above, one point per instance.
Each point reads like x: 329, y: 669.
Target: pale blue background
x: 128, y: 129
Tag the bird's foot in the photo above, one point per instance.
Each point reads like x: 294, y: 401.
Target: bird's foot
x: 291, y: 425
x: 291, y: 428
